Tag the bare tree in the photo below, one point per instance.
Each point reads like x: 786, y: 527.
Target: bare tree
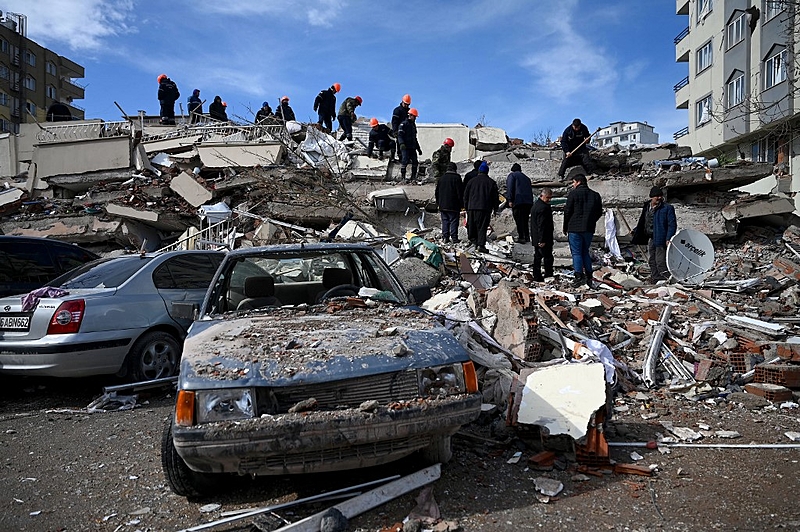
x: 542, y: 137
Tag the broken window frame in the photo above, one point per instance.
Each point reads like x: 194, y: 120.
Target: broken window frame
x: 705, y: 56
x: 703, y: 108
x: 734, y: 95
x: 735, y: 31
x: 775, y: 69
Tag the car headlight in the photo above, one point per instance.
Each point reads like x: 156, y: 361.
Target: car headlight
x: 224, y: 405
x: 441, y: 381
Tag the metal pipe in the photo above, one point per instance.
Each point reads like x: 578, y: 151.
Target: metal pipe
x: 649, y: 367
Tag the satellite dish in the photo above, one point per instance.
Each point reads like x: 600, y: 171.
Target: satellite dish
x: 690, y: 255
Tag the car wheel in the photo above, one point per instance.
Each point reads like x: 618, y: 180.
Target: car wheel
x: 438, y: 452
x: 182, y: 480
x: 154, y: 356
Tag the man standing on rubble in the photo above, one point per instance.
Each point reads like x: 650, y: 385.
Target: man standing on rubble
x: 584, y: 207
x: 263, y: 113
x: 441, y: 158
x: 542, y: 235
x: 168, y: 94
x: 284, y: 112
x: 217, y: 109
x: 400, y: 112
x: 380, y: 137
x: 472, y: 173
x: 194, y: 105
x: 520, y: 198
x: 657, y: 225
x: 347, y: 116
x: 409, y: 145
x: 481, y: 198
x: 573, y: 142
x: 325, y: 106
x: 449, y: 198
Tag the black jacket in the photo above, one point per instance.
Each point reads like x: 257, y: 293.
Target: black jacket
x: 325, y: 103
x: 481, y: 194
x: 284, y: 112
x: 469, y: 176
x: 450, y: 192
x: 541, y: 222
x: 407, y: 134
x: 217, y: 111
x: 168, y: 91
x: 571, y: 139
x: 263, y: 113
x: 584, y: 207
x: 380, y: 133
x: 399, y: 114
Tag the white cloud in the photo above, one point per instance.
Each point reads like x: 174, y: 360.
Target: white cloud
x: 316, y: 12
x: 81, y: 26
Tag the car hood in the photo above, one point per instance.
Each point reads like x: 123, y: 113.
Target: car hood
x: 286, y: 347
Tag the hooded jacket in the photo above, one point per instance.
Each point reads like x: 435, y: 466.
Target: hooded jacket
x: 325, y: 102
x: 481, y: 194
x: 584, y: 207
x: 449, y: 192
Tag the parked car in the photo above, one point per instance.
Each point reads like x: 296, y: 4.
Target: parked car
x: 27, y: 263
x: 274, y: 381
x: 126, y: 316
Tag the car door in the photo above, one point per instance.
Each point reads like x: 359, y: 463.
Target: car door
x: 185, y: 278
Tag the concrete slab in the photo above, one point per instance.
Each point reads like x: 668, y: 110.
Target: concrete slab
x: 185, y: 185
x: 221, y: 155
x: 9, y: 166
x: 364, y: 166
x: 161, y: 221
x: 431, y: 136
x: 756, y: 206
x: 490, y: 139
x: 79, y: 157
x: 78, y: 229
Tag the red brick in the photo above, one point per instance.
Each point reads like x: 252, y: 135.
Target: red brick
x: 771, y: 392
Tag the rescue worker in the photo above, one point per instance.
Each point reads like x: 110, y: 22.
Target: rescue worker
x: 168, y: 94
x: 520, y: 198
x: 380, y: 137
x: 347, y: 115
x: 481, y: 198
x: 450, y: 199
x: 409, y: 145
x: 325, y: 106
x: 217, y: 109
x: 400, y: 112
x: 573, y: 142
x: 194, y: 105
x: 263, y: 113
x: 441, y: 158
x: 284, y: 112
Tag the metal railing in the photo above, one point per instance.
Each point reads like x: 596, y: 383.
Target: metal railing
x: 222, y: 132
x: 681, y: 133
x: 66, y: 132
x: 681, y: 84
x: 682, y: 35
x: 216, y: 237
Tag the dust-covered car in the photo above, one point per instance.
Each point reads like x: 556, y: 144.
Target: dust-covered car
x: 126, y: 316
x: 308, y: 359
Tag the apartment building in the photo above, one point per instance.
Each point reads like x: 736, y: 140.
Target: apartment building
x: 626, y: 134
x: 741, y: 90
x: 33, y: 77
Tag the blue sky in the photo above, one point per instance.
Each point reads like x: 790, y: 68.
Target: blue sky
x: 524, y: 66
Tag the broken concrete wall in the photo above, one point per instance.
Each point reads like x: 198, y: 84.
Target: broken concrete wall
x: 431, y: 136
x: 9, y: 166
x: 82, y: 156
x: 222, y: 155
x: 78, y: 229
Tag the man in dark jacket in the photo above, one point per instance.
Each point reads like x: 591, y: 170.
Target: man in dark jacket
x: 481, y: 198
x: 380, y: 137
x: 472, y: 173
x: 168, y: 94
x: 263, y: 113
x: 449, y: 198
x: 575, y: 150
x: 542, y: 235
x: 520, y: 198
x: 284, y: 112
x: 325, y: 106
x: 194, y: 106
x: 657, y: 225
x: 347, y: 115
x: 400, y: 112
x: 584, y: 207
x: 441, y: 158
x: 217, y: 109
x: 409, y: 145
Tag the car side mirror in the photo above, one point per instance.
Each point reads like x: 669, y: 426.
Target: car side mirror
x: 420, y: 294
x: 185, y: 311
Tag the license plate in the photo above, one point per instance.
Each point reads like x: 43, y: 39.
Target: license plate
x: 10, y: 322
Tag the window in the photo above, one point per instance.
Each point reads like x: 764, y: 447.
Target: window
x: 764, y: 151
x: 775, y: 69
x: 188, y: 272
x: 773, y: 8
x: 3, y: 46
x: 5, y: 125
x: 3, y: 99
x: 5, y: 73
x: 51, y: 92
x: 623, y: 138
x: 704, y: 57
x: 31, y: 107
x: 30, y: 58
x: 704, y: 7
x: 29, y: 83
x: 736, y: 31
x: 735, y: 91
x: 50, y: 67
x: 703, y: 110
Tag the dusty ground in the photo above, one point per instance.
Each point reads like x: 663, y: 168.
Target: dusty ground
x: 78, y: 471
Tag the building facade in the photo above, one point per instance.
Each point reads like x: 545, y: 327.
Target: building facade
x: 33, y: 77
x: 626, y: 134
x: 741, y: 90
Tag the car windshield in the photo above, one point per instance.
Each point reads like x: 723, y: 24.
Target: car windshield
x: 281, y: 278
x: 101, y: 273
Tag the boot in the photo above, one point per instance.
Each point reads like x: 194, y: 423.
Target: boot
x: 578, y: 280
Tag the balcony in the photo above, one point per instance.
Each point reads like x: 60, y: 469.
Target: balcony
x: 682, y: 93
x: 682, y: 7
x: 68, y: 88
x: 70, y: 68
x: 680, y: 133
x: 682, y: 47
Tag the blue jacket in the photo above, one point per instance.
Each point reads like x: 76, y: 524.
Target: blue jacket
x: 665, y: 225
x: 518, y: 189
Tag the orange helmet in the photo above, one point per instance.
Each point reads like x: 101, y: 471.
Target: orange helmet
x: 413, y: 111
x: 373, y: 122
x: 284, y: 98
x: 407, y: 99
x: 449, y: 142
x: 337, y: 87
x: 359, y: 100
x: 160, y: 77
x: 224, y: 104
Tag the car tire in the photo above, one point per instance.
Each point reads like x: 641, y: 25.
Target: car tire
x: 438, y: 452
x: 154, y: 356
x: 182, y: 480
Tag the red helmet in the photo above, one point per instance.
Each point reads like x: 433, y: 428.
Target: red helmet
x: 359, y: 100
x: 449, y: 142
x: 407, y: 99
x: 337, y: 87
x: 284, y: 98
x: 373, y: 122
x: 162, y: 76
x: 224, y: 104
x: 413, y: 111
